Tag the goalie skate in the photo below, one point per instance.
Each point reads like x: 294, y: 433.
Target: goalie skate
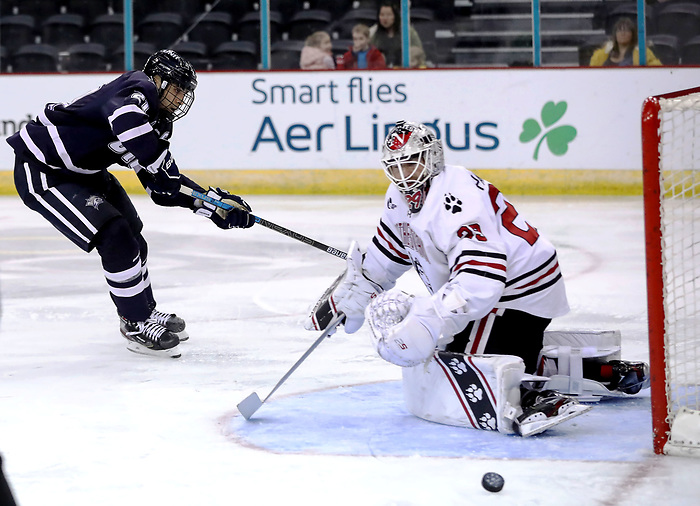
x: 172, y: 322
x: 545, y: 409
x: 149, y: 338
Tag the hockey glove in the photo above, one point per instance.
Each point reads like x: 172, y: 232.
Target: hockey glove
x: 349, y: 294
x: 237, y: 217
x: 406, y: 329
x: 165, y: 176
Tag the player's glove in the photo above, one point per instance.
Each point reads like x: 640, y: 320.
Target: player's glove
x: 165, y: 176
x: 349, y: 294
x: 237, y: 217
x: 406, y: 329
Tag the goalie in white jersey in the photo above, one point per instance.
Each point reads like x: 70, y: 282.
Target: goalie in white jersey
x: 495, y: 286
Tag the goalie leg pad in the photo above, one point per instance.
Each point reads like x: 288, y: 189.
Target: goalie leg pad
x: 562, y: 360
x: 474, y: 391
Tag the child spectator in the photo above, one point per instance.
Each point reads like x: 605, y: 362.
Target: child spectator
x: 362, y: 55
x: 316, y: 53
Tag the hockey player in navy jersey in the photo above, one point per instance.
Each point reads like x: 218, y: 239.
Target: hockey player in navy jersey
x: 494, y: 285
x: 61, y: 171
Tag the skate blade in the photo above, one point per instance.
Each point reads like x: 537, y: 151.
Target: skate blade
x: 173, y: 352
x: 537, y: 427
x: 183, y: 335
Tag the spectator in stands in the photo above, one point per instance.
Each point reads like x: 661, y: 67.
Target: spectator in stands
x: 317, y: 53
x: 622, y: 49
x: 386, y: 34
x: 362, y: 55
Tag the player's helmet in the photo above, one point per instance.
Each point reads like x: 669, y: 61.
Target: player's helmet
x: 411, y: 155
x: 173, y: 69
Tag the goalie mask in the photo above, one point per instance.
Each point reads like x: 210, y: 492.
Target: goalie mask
x: 178, y: 81
x: 411, y: 156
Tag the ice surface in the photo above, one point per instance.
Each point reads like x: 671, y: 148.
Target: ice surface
x: 85, y: 422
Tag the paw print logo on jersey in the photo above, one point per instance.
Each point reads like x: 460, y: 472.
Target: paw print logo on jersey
x: 474, y: 393
x: 452, y: 203
x: 458, y: 367
x: 487, y: 422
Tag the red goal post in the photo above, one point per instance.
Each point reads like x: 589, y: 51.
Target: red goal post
x: 671, y: 179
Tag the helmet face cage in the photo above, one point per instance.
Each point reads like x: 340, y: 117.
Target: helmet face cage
x: 178, y: 82
x: 411, y: 156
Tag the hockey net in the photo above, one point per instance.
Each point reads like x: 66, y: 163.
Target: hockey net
x: 671, y: 161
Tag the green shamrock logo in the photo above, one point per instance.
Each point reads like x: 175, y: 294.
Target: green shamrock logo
x: 558, y: 138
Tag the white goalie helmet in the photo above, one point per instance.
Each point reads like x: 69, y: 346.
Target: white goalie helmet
x: 411, y: 155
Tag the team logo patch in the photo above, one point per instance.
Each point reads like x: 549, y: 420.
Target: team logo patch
x: 390, y: 204
x: 94, y: 201
x: 452, y: 203
x: 398, y: 140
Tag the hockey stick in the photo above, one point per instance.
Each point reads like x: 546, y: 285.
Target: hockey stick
x: 252, y: 403
x: 277, y: 228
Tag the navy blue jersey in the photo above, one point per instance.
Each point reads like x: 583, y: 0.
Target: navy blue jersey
x: 117, y: 123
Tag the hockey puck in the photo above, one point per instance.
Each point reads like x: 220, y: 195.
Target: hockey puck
x: 493, y: 482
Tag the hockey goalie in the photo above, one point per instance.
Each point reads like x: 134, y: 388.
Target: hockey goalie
x: 475, y: 353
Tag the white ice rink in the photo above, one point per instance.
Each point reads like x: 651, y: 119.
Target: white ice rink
x: 84, y: 422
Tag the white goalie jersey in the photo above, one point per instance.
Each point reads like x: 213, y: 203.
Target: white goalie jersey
x: 467, y: 237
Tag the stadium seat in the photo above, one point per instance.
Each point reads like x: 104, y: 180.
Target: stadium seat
x: 690, y: 52
x: 213, y: 30
x: 343, y: 27
x: 108, y: 30
x: 194, y: 52
x: 89, y: 9
x: 237, y: 8
x: 286, y: 8
x: 161, y: 29
x: 39, y: 9
x: 443, y: 10
x: 63, y: 30
x: 679, y: 19
x: 35, y: 58
x: 142, y: 50
x: 86, y: 57
x: 285, y: 54
x: 306, y: 22
x: 666, y: 48
x: 249, y: 26
x: 188, y: 9
x: 235, y: 55
x: 16, y: 31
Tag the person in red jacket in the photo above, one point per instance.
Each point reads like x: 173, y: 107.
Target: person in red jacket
x: 361, y: 55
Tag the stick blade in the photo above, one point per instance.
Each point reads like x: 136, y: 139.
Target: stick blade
x: 249, y: 405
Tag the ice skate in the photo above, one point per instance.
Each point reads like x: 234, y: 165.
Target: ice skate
x: 545, y: 409
x: 149, y: 338
x: 629, y: 377
x: 170, y: 321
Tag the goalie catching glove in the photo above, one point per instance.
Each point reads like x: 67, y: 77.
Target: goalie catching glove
x: 237, y: 217
x: 349, y: 294
x: 406, y: 329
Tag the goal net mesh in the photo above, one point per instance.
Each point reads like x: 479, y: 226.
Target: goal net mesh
x: 679, y: 152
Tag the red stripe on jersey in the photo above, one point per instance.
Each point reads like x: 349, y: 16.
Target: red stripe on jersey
x: 480, y: 331
x: 534, y: 282
x: 403, y: 256
x: 499, y: 267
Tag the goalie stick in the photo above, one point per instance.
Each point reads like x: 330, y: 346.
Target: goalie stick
x: 252, y: 403
x: 277, y: 228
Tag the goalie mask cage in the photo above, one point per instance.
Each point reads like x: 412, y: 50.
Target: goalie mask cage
x: 671, y: 163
